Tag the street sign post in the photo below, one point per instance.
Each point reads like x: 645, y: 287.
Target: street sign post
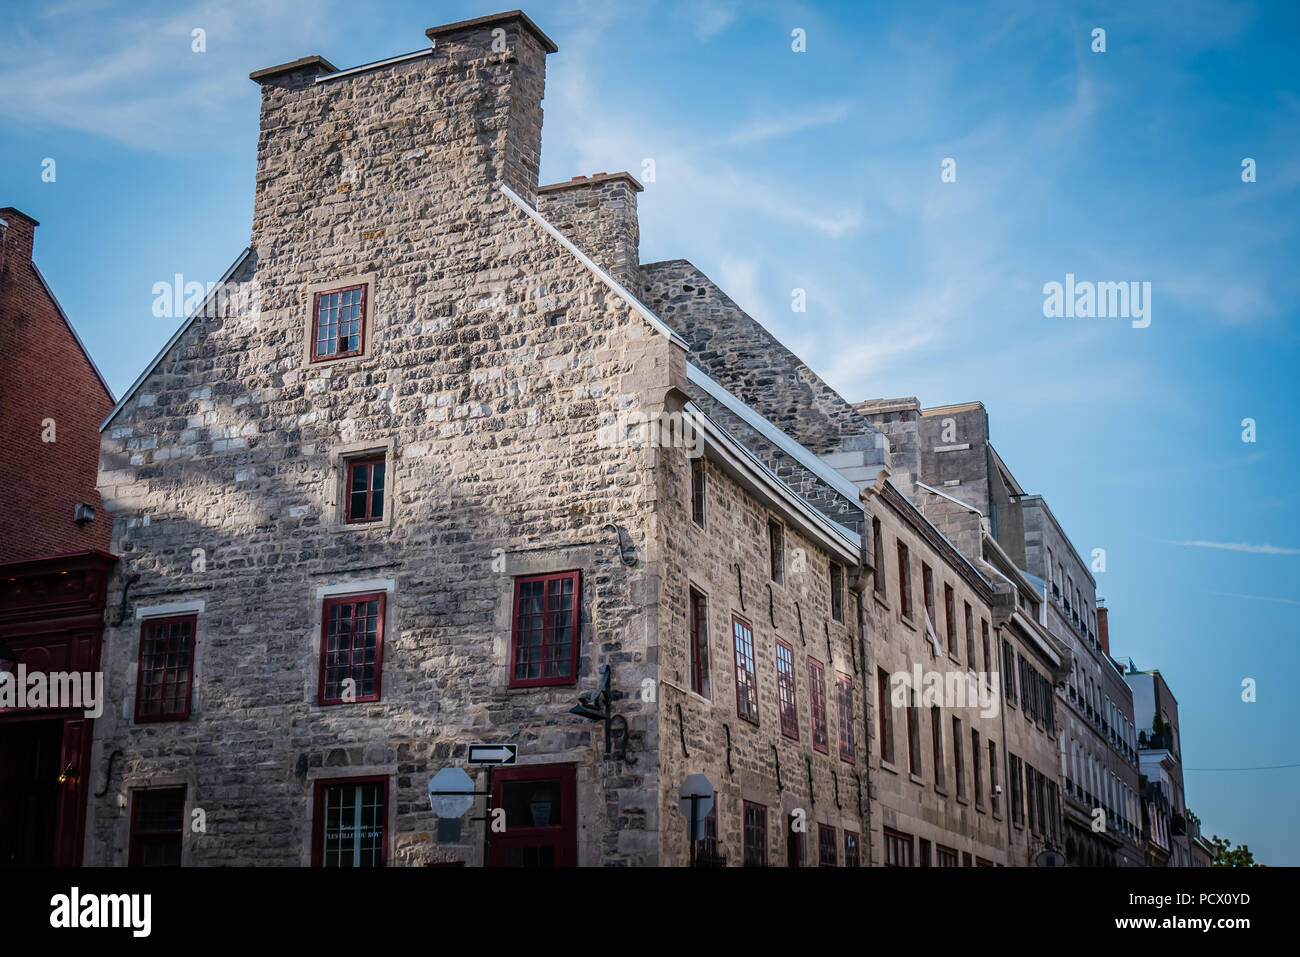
x: 493, y: 754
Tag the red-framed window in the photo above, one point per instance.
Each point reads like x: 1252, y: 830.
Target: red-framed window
x: 885, y: 721
x: 927, y: 594
x: 945, y: 856
x: 544, y: 637
x: 817, y: 700
x: 976, y: 752
x: 988, y: 654
x: 776, y: 550
x: 351, y: 648
x: 844, y: 699
x: 697, y: 490
x: 755, y: 828
x: 936, y: 740
x: 699, y: 644
x: 898, y: 848
x: 913, y: 738
x: 746, y: 680
x: 157, y: 827
x: 970, y: 637
x: 951, y: 616
x: 827, y: 853
x: 958, y: 762
x: 852, y: 849
x: 367, y: 487
x: 350, y: 822
x: 785, y: 690
x: 338, y: 325
x: 904, y: 582
x: 541, y: 816
x: 878, y: 548
x: 165, y: 677
x: 793, y: 842
x: 837, y: 591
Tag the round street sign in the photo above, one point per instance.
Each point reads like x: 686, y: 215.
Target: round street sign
x: 452, y: 804
x: 696, y: 784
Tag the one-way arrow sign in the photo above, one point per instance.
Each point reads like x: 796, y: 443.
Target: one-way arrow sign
x: 493, y: 753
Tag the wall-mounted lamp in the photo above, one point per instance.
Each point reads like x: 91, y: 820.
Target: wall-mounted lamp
x: 597, y: 707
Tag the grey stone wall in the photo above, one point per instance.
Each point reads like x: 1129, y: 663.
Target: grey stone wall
x: 599, y: 214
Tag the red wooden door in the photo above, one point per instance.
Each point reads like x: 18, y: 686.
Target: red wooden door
x: 541, y: 817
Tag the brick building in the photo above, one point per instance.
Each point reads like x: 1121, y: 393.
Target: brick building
x: 54, y: 561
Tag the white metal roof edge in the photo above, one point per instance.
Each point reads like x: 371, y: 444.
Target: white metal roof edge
x: 944, y: 538
x: 375, y: 65
x: 68, y: 322
x: 601, y: 274
x: 181, y: 330
x: 743, y: 457
x: 773, y: 434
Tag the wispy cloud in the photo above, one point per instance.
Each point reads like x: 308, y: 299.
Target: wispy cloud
x: 1242, y: 547
x: 1283, y: 601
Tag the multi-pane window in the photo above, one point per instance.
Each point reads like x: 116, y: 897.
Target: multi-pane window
x: 1008, y: 671
x: 157, y: 827
x: 927, y: 594
x: 166, y: 669
x: 785, y: 690
x: 970, y: 637
x: 366, y: 489
x: 844, y: 697
x: 886, y: 724
x: 349, y: 828
x: 746, y: 680
x: 993, y: 775
x: 945, y: 856
x: 913, y: 738
x: 755, y: 828
x: 958, y: 763
x: 699, y: 644
x: 837, y: 591
x: 904, y: 582
x: 988, y: 654
x: 878, y: 549
x: 936, y: 740
x: 339, y: 323
x: 1016, y: 802
x: 776, y: 550
x: 697, y: 490
x: 977, y: 766
x: 898, y: 848
x: 852, y: 851
x: 827, y: 855
x: 950, y: 619
x: 544, y: 638
x: 352, y: 639
x: 817, y: 697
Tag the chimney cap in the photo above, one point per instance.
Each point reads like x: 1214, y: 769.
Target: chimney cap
x: 576, y: 181
x: 547, y: 43
x: 322, y: 65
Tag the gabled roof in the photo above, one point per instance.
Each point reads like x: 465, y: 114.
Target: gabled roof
x: 68, y: 322
x: 176, y: 336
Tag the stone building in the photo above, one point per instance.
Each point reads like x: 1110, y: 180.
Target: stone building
x: 54, y: 562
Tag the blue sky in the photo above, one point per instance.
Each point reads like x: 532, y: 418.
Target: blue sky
x: 821, y: 170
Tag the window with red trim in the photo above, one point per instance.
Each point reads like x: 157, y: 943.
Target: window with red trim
x: 904, y: 582
x: 844, y: 698
x: 165, y: 678
x: 885, y: 721
x: 367, y: 486
x: 852, y: 852
x: 785, y: 690
x: 544, y: 640
x: 352, y: 643
x: 338, y: 326
x: 157, y: 827
x: 699, y: 644
x: 898, y: 848
x: 827, y: 855
x: 755, y: 828
x: 350, y: 823
x: 817, y: 697
x: 746, y: 681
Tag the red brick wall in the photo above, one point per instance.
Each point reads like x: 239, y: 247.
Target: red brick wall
x: 44, y: 375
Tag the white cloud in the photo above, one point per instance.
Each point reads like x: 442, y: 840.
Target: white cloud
x: 1243, y: 547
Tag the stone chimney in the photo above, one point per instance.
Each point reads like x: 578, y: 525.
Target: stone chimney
x: 1103, y: 631
x: 411, y: 137
x: 598, y: 213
